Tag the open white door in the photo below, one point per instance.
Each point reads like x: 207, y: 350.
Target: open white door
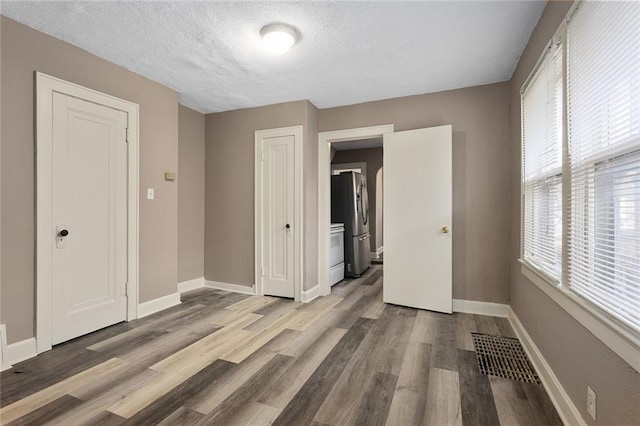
x: 417, y: 218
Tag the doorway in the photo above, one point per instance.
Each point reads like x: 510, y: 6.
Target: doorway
x: 365, y: 158
x: 326, y: 142
x: 87, y: 211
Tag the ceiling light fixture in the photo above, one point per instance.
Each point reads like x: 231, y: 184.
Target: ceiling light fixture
x: 278, y: 37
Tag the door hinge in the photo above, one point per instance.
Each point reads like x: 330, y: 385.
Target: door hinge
x: 126, y: 135
x: 262, y: 156
x: 262, y: 270
x: 125, y: 289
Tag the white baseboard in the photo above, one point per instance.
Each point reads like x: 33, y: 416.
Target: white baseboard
x: 309, y: 295
x: 480, y: 308
x: 157, y: 305
x: 194, y: 284
x: 19, y: 351
x: 566, y: 409
x: 377, y: 253
x: 236, y: 288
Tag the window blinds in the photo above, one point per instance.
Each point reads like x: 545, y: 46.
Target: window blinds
x: 603, y: 101
x: 542, y: 165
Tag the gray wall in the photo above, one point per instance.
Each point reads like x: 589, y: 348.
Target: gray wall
x: 373, y: 158
x: 190, y: 194
x: 575, y: 355
x: 481, y: 166
x: 229, y: 186
x: 24, y: 51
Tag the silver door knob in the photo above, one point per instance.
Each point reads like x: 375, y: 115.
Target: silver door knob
x: 445, y: 230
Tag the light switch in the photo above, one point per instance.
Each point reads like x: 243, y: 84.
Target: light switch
x: 149, y: 193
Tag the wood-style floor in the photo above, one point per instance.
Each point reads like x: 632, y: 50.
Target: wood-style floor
x: 227, y: 359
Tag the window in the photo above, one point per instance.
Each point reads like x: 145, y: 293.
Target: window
x: 603, y: 101
x: 600, y: 263
x: 542, y: 165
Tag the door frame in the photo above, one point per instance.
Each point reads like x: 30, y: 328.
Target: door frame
x: 46, y: 86
x: 325, y: 139
x: 296, y: 132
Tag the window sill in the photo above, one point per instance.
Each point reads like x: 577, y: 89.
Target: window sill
x: 621, y: 341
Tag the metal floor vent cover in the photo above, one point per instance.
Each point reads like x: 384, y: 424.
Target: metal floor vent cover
x: 503, y: 357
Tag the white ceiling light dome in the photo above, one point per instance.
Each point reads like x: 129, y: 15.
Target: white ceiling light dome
x: 278, y: 37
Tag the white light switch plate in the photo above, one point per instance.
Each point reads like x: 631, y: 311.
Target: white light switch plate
x: 150, y: 193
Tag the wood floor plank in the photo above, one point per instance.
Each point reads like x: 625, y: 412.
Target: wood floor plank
x: 308, y: 318
x: 36, y: 400
x: 425, y: 330
x: 283, y: 390
x: 145, y: 395
x: 504, y: 328
x: 304, y: 405
x: 486, y: 325
x: 443, y: 349
x: 47, y: 412
x: 443, y: 399
x: 373, y: 277
x: 164, y: 406
x: 350, y: 316
x: 466, y: 324
x: 46, y: 370
x: 375, y: 403
x: 206, y: 402
x: 541, y: 406
x: 166, y: 345
x: 284, y: 305
x: 303, y: 340
x: 233, y: 406
x: 103, y: 419
x: 511, y: 402
x: 193, y: 358
x: 182, y: 416
x: 476, y: 398
x: 388, y: 340
x: 259, y: 339
x: 410, y: 396
x: 98, y: 395
x: 251, y: 304
x: 255, y: 414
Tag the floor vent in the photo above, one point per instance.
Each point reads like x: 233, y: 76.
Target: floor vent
x: 503, y: 357
x: 371, y: 279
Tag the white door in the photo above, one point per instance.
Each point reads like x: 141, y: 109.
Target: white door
x: 417, y: 218
x: 89, y: 217
x: 278, y: 217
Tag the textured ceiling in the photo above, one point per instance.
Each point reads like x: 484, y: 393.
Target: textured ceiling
x: 349, y: 52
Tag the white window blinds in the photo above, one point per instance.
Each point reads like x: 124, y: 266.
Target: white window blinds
x: 603, y: 101
x: 542, y: 165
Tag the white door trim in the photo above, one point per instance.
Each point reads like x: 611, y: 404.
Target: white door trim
x: 296, y: 131
x: 325, y: 139
x: 45, y: 87
x: 347, y: 166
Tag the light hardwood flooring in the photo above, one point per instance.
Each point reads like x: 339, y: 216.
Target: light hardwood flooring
x: 228, y: 359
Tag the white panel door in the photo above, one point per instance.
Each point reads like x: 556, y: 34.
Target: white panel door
x: 278, y: 225
x: 417, y: 218
x: 89, y: 193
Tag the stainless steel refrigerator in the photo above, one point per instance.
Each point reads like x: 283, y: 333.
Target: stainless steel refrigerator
x: 350, y: 205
